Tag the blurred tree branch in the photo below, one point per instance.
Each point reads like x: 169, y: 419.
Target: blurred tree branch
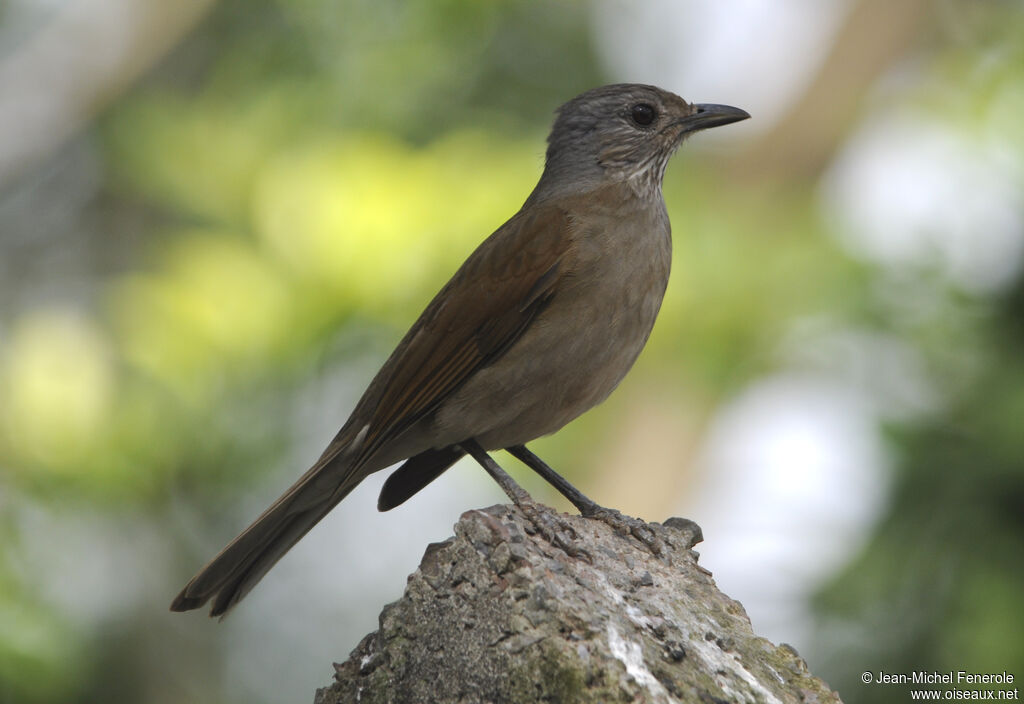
x: 875, y: 34
x: 91, y: 50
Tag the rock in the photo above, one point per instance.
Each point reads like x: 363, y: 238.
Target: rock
x: 496, y: 614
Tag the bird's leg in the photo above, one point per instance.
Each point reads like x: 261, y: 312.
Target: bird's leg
x: 548, y: 525
x: 626, y: 525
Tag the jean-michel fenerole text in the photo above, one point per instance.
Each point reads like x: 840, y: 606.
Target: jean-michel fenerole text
x: 958, y: 677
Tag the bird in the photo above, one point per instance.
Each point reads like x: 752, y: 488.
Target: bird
x: 539, y: 324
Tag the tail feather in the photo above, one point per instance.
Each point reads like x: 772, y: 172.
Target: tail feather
x: 229, y: 576
x: 243, y: 580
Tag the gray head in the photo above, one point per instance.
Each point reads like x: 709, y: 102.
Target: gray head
x: 626, y: 133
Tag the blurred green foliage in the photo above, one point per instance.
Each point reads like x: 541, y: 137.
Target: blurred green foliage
x: 940, y: 585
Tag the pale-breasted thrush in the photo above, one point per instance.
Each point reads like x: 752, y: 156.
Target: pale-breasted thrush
x: 540, y: 324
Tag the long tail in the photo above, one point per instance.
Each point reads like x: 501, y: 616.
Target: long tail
x: 229, y: 576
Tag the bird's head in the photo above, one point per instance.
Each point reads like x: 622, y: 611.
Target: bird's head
x: 626, y: 132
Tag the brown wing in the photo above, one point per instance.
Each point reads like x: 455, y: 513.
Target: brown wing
x: 482, y: 310
x: 488, y: 303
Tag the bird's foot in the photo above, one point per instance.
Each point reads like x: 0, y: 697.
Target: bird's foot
x: 627, y: 525
x: 553, y: 527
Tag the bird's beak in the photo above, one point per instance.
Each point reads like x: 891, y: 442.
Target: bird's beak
x: 707, y: 115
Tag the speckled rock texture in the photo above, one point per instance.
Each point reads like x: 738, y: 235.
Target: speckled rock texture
x: 497, y: 614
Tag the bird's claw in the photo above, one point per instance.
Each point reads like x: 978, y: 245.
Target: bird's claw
x: 627, y: 525
x: 554, y: 529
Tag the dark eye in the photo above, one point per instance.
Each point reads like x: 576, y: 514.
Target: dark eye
x: 642, y: 114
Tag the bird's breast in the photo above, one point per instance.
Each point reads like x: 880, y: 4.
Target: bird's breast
x: 581, y: 345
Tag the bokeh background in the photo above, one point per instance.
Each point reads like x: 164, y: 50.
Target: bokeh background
x: 217, y: 218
